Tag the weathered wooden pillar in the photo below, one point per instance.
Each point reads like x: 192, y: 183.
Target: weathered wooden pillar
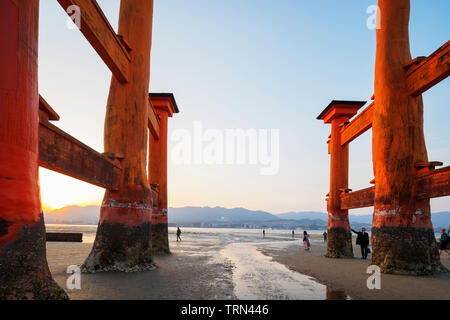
x: 24, y: 272
x: 402, y: 234
x: 123, y: 240
x: 339, y: 243
x: 165, y: 106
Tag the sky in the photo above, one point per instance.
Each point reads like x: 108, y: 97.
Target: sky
x: 242, y: 64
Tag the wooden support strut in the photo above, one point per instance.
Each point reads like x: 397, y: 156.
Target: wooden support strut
x: 358, y: 125
x: 96, y: 28
x: 24, y: 272
x: 422, y: 73
x: 164, y: 105
x: 60, y: 152
x: 124, y: 233
x: 337, y: 113
x: 432, y: 184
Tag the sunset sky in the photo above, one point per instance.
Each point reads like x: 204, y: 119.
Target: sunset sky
x: 266, y: 64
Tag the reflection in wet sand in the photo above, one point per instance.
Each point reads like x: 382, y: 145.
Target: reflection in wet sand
x: 254, y: 274
x: 257, y: 277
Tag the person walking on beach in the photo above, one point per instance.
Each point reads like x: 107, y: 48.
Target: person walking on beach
x: 293, y: 234
x: 444, y: 242
x: 264, y: 233
x: 306, y: 242
x: 325, y: 234
x: 178, y: 234
x: 363, y: 241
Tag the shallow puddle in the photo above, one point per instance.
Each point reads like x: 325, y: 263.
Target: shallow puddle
x: 257, y: 277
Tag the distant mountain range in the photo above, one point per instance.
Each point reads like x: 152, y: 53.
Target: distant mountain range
x: 222, y: 217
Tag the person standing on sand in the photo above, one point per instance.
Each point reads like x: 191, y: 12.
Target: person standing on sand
x: 178, y: 234
x: 444, y: 242
x: 362, y: 240
x: 264, y: 233
x: 293, y: 234
x: 325, y: 234
x: 306, y: 242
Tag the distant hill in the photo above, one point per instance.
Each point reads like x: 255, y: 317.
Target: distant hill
x: 303, y: 215
x: 73, y: 215
x: 362, y: 219
x: 217, y: 214
x: 223, y: 217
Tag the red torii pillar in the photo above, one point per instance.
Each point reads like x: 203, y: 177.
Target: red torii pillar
x: 339, y: 243
x: 123, y: 240
x: 24, y: 273
x: 165, y: 106
x: 402, y: 234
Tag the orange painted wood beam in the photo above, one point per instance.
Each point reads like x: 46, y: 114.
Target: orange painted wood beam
x: 98, y: 31
x: 153, y: 121
x: 337, y: 113
x: 422, y: 74
x: 358, y: 199
x: 124, y: 233
x: 164, y: 101
x: 60, y: 152
x: 46, y: 110
x: 358, y: 125
x: 24, y: 272
x: 432, y: 184
x: 165, y: 106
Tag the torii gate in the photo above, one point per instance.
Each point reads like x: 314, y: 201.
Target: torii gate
x: 135, y: 204
x: 402, y: 234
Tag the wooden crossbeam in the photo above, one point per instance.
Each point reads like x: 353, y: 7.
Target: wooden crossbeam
x: 153, y: 121
x: 358, y: 199
x: 46, y: 111
x: 60, y: 152
x: 98, y: 31
x: 432, y: 184
x: 422, y: 74
x: 358, y: 125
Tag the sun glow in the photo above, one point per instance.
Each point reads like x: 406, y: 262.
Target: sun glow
x: 58, y: 191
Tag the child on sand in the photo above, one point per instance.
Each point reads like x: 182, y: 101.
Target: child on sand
x: 306, y: 242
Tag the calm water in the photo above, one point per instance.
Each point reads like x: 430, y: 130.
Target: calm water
x: 255, y: 275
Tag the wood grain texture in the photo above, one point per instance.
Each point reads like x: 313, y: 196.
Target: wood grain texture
x: 358, y: 125
x: 60, y: 152
x: 428, y: 72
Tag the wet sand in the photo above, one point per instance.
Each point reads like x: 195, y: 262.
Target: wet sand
x: 229, y: 264
x: 349, y: 275
x: 208, y: 264
x: 179, y: 276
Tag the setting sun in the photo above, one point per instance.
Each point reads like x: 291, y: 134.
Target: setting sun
x: 58, y: 191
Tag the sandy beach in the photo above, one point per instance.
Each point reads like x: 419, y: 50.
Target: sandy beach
x: 225, y: 264
x: 180, y: 276
x: 349, y: 275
